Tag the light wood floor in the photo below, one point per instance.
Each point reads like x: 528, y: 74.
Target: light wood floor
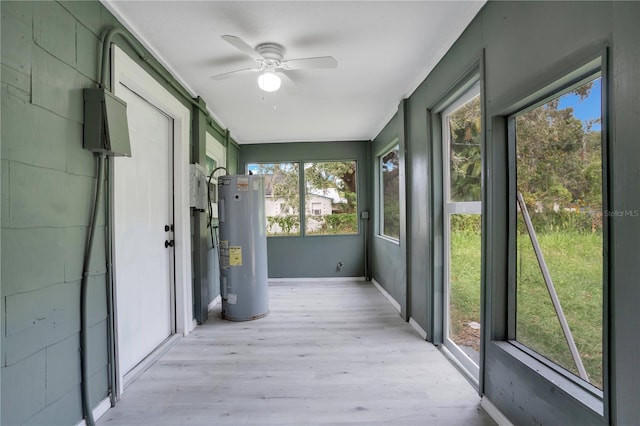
x: 328, y: 353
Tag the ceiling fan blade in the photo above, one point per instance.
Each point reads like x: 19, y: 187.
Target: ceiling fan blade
x: 291, y: 84
x: 235, y: 73
x: 242, y: 46
x: 310, y: 63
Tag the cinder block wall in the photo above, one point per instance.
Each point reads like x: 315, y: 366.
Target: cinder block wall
x: 49, y: 54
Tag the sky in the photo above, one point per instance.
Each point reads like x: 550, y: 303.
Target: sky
x: 588, y: 108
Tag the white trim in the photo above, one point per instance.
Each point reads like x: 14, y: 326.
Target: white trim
x: 417, y: 328
x: 493, y: 411
x: 387, y: 295
x: 99, y: 411
x: 126, y: 71
x: 144, y: 365
x: 315, y: 280
x: 388, y: 239
x: 459, y: 366
x: 214, y: 302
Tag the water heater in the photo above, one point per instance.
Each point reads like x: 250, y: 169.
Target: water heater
x: 243, y: 247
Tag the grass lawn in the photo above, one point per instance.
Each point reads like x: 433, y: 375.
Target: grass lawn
x: 575, y: 264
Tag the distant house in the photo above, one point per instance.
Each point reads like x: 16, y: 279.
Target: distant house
x: 317, y: 206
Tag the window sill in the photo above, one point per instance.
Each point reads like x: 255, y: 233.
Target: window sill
x: 585, y: 393
x: 389, y: 239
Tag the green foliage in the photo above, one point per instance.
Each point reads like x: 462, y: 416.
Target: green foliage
x: 575, y: 265
x: 464, y: 271
x: 391, y: 193
x: 288, y: 225
x: 341, y: 223
x: 466, y: 223
x: 465, y: 166
x: 391, y: 217
x: 563, y: 220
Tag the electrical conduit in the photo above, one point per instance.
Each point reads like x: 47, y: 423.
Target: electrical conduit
x: 84, y: 290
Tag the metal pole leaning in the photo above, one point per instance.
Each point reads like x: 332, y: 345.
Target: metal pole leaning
x: 552, y: 290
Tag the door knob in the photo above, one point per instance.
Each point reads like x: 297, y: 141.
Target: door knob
x: 168, y: 243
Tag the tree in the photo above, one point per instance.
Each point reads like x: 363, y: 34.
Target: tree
x: 339, y: 175
x: 465, y: 166
x: 559, y: 157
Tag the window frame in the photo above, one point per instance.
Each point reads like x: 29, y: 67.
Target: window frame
x: 302, y: 214
x: 394, y: 145
x: 449, y: 208
x: 587, y: 394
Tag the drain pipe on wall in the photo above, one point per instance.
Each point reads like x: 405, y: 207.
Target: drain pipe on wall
x: 365, y: 219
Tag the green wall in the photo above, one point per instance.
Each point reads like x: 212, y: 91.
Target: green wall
x: 518, y: 48
x: 315, y: 256
x: 388, y: 261
x: 49, y: 53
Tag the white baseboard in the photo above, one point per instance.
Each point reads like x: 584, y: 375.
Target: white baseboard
x: 214, y: 302
x: 387, y: 295
x: 493, y: 411
x: 98, y: 412
x: 315, y: 280
x: 417, y: 328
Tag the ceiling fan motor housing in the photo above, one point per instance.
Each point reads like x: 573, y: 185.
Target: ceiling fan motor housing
x: 272, y: 52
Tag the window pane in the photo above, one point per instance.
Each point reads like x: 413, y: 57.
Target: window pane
x: 464, y: 152
x: 330, y: 198
x: 210, y: 164
x: 390, y: 193
x: 559, y: 174
x: 282, y: 196
x: 464, y: 283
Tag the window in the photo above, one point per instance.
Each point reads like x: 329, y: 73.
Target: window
x: 559, y: 229
x: 390, y: 193
x: 330, y: 198
x: 282, y: 197
x: 462, y: 208
x: 210, y: 164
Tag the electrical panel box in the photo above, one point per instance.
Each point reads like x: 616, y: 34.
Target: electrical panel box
x: 105, y: 123
x: 213, y: 192
x: 198, y: 188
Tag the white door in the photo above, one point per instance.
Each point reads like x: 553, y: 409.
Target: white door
x: 142, y: 207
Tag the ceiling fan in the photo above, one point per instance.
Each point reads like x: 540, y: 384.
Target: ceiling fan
x: 270, y: 63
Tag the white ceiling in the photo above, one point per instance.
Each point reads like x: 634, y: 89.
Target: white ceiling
x: 384, y: 50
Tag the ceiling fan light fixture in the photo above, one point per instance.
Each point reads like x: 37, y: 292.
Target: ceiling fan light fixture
x: 269, y: 81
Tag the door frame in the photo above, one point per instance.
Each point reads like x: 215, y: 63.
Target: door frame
x: 126, y: 70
